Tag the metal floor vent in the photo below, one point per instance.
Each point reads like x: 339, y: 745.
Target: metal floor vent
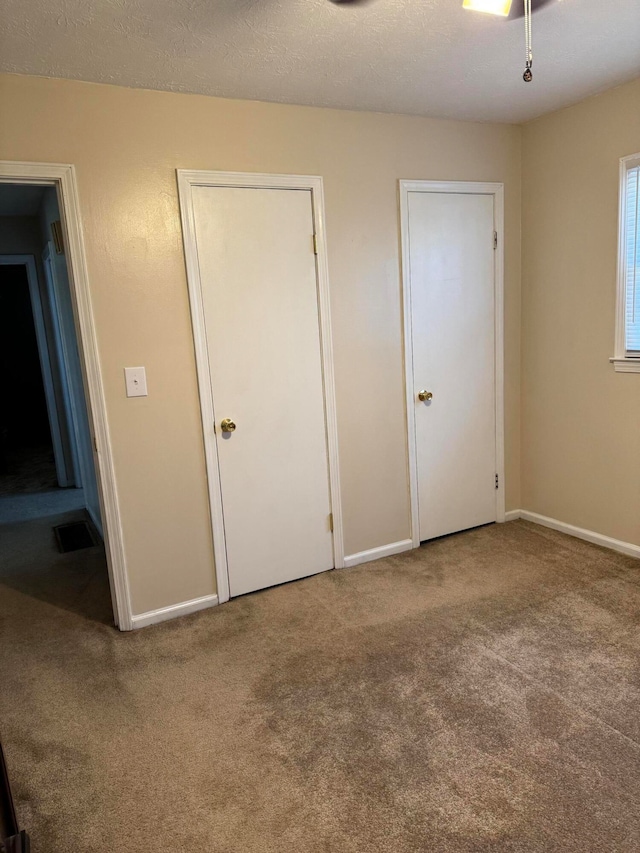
x: 73, y: 537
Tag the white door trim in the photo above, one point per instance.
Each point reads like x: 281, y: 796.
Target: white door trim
x: 474, y: 188
x: 48, y: 269
x: 63, y: 473
x: 187, y: 179
x: 63, y: 178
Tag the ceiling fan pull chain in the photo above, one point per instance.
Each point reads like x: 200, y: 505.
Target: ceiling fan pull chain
x: 528, y: 73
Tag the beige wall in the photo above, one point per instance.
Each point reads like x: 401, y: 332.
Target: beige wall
x: 581, y: 420
x: 126, y: 145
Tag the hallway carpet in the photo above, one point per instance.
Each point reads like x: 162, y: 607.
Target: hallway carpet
x: 30, y: 469
x: 479, y: 694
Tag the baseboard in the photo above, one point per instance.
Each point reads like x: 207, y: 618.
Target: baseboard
x: 377, y: 553
x: 627, y: 548
x: 513, y: 515
x: 173, y: 611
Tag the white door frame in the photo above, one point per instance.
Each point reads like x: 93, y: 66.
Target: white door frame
x: 62, y: 360
x: 187, y: 179
x: 458, y: 187
x: 64, y: 475
x: 63, y: 178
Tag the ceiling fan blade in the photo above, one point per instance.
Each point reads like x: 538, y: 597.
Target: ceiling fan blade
x: 351, y: 2
x: 517, y: 9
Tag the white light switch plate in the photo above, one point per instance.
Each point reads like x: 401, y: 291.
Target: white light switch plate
x: 136, y: 381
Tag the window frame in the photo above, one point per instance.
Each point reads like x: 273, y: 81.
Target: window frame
x: 622, y: 361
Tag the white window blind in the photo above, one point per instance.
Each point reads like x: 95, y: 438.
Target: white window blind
x: 631, y: 226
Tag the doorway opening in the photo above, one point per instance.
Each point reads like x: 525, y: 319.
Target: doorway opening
x: 48, y: 472
x: 27, y: 463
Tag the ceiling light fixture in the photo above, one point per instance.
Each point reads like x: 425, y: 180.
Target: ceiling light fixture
x: 492, y: 7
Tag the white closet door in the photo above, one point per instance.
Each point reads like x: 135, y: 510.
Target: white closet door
x: 453, y: 337
x: 260, y: 299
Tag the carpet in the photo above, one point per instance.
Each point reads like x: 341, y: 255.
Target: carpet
x: 30, y: 469
x: 35, y: 505
x: 478, y: 694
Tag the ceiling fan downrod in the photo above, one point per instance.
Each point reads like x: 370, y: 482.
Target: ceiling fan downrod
x: 528, y: 73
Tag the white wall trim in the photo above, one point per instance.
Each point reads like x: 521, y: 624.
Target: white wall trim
x: 625, y: 365
x: 627, y: 548
x: 187, y: 179
x: 63, y: 178
x: 67, y: 406
x: 475, y: 188
x: 512, y: 515
x: 622, y: 361
x: 378, y: 553
x: 152, y: 617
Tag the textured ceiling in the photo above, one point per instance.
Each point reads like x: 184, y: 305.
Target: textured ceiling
x: 426, y: 57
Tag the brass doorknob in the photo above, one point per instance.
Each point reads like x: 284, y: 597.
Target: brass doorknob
x: 227, y: 425
x: 425, y: 396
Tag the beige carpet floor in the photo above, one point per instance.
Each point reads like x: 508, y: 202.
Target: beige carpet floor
x: 478, y: 694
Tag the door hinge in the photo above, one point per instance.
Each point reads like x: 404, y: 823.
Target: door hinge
x: 95, y: 444
x: 497, y: 482
x: 495, y: 239
x: 331, y: 522
x: 314, y: 240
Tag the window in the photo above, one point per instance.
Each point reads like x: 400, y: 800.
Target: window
x: 627, y: 358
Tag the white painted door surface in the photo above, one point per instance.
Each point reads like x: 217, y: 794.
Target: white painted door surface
x: 259, y: 290
x: 453, y: 339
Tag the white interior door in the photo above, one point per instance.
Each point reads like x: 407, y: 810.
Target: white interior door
x: 260, y: 305
x: 451, y: 268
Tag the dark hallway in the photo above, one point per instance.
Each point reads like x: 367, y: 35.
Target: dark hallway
x: 26, y: 451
